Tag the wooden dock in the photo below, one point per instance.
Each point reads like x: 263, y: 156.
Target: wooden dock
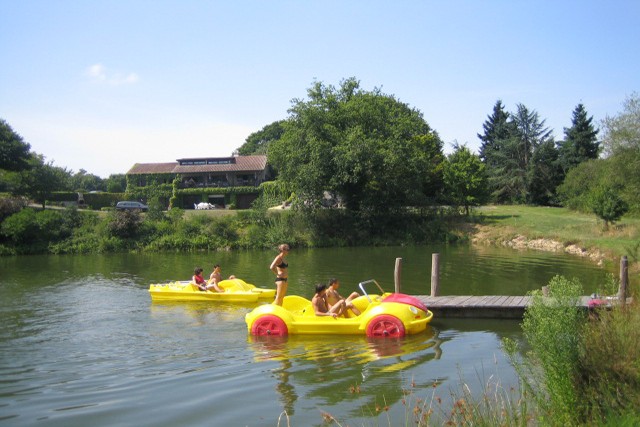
x: 481, y: 307
x: 495, y: 306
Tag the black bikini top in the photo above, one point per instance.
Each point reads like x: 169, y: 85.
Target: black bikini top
x: 282, y: 265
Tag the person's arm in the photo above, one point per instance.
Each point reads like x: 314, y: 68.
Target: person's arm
x: 274, y: 263
x: 201, y: 285
x: 318, y: 309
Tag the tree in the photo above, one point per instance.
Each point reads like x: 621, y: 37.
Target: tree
x: 465, y: 179
x: 41, y: 180
x: 377, y: 153
x: 575, y: 190
x: 496, y: 129
x: 258, y: 142
x: 622, y: 132
x: 116, y: 183
x: 509, y: 160
x: 580, y: 142
x: 544, y: 175
x: 507, y: 178
x: 85, y: 182
x: 530, y: 131
x: 14, y: 152
x: 621, y: 142
x: 607, y: 205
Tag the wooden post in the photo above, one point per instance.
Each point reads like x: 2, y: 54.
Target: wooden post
x: 624, y: 279
x: 435, y: 274
x: 397, y: 275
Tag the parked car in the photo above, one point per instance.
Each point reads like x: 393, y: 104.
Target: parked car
x: 136, y: 206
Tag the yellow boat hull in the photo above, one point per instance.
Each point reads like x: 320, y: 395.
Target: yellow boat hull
x: 235, y: 290
x: 388, y: 315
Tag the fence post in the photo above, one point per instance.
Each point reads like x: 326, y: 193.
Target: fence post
x: 397, y: 275
x: 624, y: 279
x: 435, y: 274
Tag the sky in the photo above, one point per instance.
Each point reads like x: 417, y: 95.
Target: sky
x: 103, y: 84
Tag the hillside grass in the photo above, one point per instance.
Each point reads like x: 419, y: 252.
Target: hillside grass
x: 562, y: 225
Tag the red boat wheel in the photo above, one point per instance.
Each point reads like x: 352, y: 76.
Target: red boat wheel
x: 269, y: 325
x: 385, y: 326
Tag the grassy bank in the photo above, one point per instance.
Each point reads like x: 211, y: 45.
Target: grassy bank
x: 499, y: 224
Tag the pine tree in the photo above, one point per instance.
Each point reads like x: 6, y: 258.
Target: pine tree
x: 581, y: 142
x: 496, y: 129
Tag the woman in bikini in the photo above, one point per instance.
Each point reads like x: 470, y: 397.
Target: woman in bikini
x: 281, y: 269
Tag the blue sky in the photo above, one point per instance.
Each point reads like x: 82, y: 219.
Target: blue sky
x: 103, y: 84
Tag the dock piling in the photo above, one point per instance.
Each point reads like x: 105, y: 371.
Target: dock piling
x: 397, y: 275
x: 624, y: 279
x: 435, y: 274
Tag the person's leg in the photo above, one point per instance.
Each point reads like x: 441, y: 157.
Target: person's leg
x: 281, y: 291
x: 338, y: 307
x: 349, y: 303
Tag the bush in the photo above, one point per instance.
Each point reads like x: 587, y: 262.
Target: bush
x: 607, y: 205
x: 10, y: 206
x: 610, y: 365
x: 124, y: 224
x: 21, y: 227
x: 552, y: 326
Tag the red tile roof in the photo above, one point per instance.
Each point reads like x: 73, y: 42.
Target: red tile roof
x: 242, y: 164
x: 150, y: 168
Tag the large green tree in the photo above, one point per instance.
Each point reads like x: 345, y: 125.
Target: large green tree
x: 258, y: 142
x: 374, y: 151
x: 580, y: 141
x: 14, y: 152
x: 465, y: 179
x: 621, y: 142
x: 497, y: 129
x: 544, y: 175
x: 41, y: 180
x: 622, y: 131
x: 509, y: 159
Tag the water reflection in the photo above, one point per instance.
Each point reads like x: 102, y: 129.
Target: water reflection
x: 337, y: 369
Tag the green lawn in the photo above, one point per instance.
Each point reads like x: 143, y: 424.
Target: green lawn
x: 565, y: 226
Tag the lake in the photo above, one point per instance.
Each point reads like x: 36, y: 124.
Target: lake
x: 82, y: 343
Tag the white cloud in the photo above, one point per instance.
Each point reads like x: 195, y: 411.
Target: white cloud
x: 98, y: 73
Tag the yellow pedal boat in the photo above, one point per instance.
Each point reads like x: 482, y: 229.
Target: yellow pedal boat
x: 381, y: 315
x: 235, y: 290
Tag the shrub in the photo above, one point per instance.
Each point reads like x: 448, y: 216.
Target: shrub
x: 610, y: 365
x: 607, y: 205
x: 21, y: 227
x: 552, y: 326
x: 124, y: 224
x: 10, y: 206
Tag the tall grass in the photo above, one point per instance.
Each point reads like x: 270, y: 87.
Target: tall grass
x: 609, y: 366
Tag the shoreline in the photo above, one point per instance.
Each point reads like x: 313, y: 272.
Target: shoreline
x: 484, y: 235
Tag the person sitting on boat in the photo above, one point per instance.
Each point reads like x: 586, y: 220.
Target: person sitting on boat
x: 320, y: 305
x: 198, y: 280
x: 333, y: 297
x: 215, y: 278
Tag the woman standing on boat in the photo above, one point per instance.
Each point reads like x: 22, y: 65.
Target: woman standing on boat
x: 281, y: 269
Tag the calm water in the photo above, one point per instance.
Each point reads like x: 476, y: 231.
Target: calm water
x: 82, y: 344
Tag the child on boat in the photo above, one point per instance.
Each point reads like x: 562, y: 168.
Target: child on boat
x: 198, y: 280
x: 333, y: 297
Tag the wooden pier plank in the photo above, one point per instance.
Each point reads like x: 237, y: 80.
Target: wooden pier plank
x: 482, y: 306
